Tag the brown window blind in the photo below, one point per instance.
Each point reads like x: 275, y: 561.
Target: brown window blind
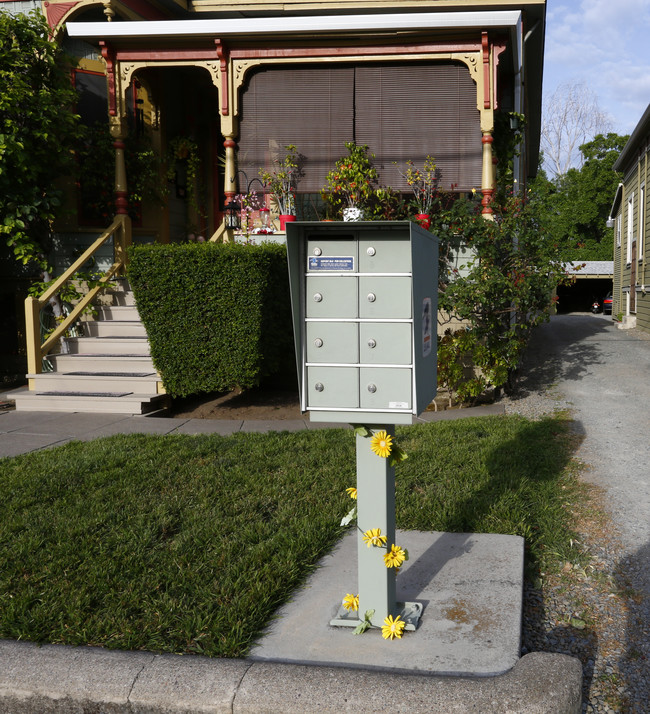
x: 311, y: 107
x: 408, y: 111
x: 402, y: 111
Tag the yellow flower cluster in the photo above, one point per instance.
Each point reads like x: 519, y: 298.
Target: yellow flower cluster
x: 351, y: 602
x: 395, y: 557
x: 381, y: 444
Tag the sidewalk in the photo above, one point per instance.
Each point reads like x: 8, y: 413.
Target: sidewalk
x: 463, y: 657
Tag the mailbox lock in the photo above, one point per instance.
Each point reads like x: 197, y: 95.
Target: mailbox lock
x: 372, y: 388
x: 319, y: 387
x: 318, y: 297
x: 371, y: 297
x: 372, y: 343
x: 317, y: 251
x: 371, y: 251
x: 318, y: 342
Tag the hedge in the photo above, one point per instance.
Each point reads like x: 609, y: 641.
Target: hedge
x: 218, y: 316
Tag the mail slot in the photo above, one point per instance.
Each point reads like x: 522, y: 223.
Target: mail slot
x: 364, y: 303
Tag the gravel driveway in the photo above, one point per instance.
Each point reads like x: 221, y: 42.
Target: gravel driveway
x: 583, y: 363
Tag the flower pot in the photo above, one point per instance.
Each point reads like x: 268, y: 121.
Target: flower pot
x: 424, y: 219
x: 284, y: 219
x: 352, y: 214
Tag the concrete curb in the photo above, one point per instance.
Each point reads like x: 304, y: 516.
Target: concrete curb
x: 56, y: 679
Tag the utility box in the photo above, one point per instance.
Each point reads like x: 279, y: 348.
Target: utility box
x: 364, y: 301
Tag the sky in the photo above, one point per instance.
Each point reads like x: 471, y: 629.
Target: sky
x: 605, y: 44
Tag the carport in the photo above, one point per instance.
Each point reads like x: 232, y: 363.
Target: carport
x: 593, y: 280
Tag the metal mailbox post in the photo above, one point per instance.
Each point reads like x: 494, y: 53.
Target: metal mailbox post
x: 364, y: 301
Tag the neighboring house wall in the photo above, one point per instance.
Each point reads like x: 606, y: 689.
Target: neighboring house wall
x: 630, y: 222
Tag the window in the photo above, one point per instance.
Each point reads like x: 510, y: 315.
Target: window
x: 618, y: 230
x: 630, y: 226
x: 639, y: 240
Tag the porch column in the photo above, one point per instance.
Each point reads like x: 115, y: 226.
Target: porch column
x: 230, y: 187
x: 487, y: 175
x: 119, y: 132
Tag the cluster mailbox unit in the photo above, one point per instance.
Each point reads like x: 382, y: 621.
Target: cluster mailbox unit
x: 364, y: 299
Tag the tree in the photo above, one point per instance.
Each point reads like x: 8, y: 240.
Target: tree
x: 577, y: 204
x: 37, y: 130
x: 572, y: 116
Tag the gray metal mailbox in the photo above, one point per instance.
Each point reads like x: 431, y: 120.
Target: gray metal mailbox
x: 364, y: 300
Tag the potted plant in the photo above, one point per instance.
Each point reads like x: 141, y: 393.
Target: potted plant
x: 282, y: 182
x: 350, y: 185
x: 424, y: 184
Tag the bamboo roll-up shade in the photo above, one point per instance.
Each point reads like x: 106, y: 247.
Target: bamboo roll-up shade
x: 311, y: 107
x: 409, y: 111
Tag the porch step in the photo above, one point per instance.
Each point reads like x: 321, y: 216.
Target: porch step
x: 109, y: 345
x: 114, y: 328
x: 101, y: 363
x: 109, y: 369
x: 97, y: 382
x: 88, y: 402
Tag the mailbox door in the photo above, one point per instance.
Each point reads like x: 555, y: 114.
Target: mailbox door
x: 385, y: 388
x: 331, y: 296
x: 385, y: 343
x: 332, y: 342
x: 333, y: 387
x: 384, y: 255
x: 384, y: 297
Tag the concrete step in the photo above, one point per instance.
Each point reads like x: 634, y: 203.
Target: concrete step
x: 117, y: 312
x: 101, y: 363
x: 140, y: 382
x: 89, y: 402
x: 113, y: 345
x: 114, y: 328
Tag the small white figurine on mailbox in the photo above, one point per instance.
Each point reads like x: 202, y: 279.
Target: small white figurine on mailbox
x: 364, y: 300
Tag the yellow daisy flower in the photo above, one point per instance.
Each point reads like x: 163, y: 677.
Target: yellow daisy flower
x: 395, y: 557
x: 381, y: 444
x: 374, y: 537
x: 352, y: 492
x: 351, y: 602
x: 393, y: 628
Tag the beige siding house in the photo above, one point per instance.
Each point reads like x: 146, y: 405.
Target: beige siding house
x: 629, y: 218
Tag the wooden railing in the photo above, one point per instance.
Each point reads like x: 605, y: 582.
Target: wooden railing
x: 120, y: 231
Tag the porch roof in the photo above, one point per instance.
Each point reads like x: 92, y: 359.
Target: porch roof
x: 419, y: 21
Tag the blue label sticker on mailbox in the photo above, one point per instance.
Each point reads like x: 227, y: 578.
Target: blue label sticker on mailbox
x: 334, y: 263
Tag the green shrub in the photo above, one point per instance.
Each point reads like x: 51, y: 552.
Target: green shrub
x: 218, y: 316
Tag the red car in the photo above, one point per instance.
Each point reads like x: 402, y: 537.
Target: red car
x: 607, y: 304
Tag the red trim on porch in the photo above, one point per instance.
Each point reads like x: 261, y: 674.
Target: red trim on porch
x: 108, y: 53
x: 222, y: 53
x: 54, y: 13
x: 485, y: 46
x: 144, y: 55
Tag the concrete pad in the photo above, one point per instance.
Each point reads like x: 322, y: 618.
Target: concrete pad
x: 225, y: 427
x: 471, y: 588
x: 72, y: 424
x: 13, y: 420
x: 265, y: 425
x: 16, y: 443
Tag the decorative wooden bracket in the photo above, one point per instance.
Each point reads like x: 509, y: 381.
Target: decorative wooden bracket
x: 54, y: 12
x: 224, y: 55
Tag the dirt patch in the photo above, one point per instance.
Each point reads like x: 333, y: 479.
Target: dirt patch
x: 271, y: 400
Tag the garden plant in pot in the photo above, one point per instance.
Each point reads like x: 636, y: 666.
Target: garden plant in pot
x: 424, y: 184
x: 350, y: 185
x: 282, y: 182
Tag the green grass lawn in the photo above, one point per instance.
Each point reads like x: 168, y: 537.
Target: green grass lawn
x: 190, y: 543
